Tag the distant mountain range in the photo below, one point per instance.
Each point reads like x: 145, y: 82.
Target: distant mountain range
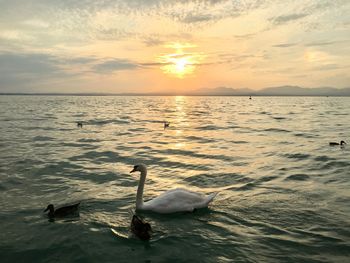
x: 224, y: 91
x: 273, y: 91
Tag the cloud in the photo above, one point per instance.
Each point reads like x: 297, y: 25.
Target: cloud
x: 85, y: 21
x: 11, y: 63
x: 324, y: 43
x: 25, y: 70
x: 279, y: 20
x: 154, y: 64
x: 19, y: 71
x: 36, y: 23
x: 112, y: 65
x: 80, y: 60
x: 328, y: 67
x: 245, y: 36
x: 284, y: 45
x: 153, y: 41
x: 190, y: 18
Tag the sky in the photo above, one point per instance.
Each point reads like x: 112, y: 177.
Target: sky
x: 172, y: 46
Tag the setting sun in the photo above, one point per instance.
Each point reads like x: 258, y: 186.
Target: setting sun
x: 180, y: 64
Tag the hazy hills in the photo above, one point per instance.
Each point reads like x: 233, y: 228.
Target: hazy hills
x: 273, y: 91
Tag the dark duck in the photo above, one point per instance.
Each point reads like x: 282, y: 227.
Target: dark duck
x: 166, y: 124
x: 63, y: 211
x: 80, y: 124
x: 337, y: 143
x: 140, y: 228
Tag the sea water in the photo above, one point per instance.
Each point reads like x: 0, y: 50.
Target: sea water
x: 284, y: 193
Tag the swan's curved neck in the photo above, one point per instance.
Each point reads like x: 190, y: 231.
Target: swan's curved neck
x: 139, y: 196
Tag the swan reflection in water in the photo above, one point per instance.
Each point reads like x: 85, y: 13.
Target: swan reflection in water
x: 140, y: 228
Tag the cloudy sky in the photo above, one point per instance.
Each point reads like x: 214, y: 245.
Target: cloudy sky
x: 167, y: 45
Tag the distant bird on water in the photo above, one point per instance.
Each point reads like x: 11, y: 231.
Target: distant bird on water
x: 250, y: 97
x: 166, y: 124
x: 80, y: 124
x: 140, y: 228
x: 337, y: 143
x: 62, y: 211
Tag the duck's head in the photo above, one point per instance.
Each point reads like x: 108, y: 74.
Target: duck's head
x: 139, y: 168
x: 342, y: 142
x: 49, y: 208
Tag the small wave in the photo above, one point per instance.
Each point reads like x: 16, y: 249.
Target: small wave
x: 306, y: 135
x: 79, y: 115
x: 239, y: 142
x: 275, y: 130
x: 298, y: 177
x: 137, y: 129
x: 97, y: 157
x: 298, y: 156
x: 215, y: 180
x: 252, y: 184
x: 279, y: 118
x: 323, y: 158
x: 234, y: 127
x: 43, y: 138
x: 89, y: 140
x: 33, y: 128
x: 79, y: 145
x: 105, y: 122
x: 209, y: 128
x: 200, y: 113
x: 200, y: 139
x: 335, y: 164
x: 197, y: 155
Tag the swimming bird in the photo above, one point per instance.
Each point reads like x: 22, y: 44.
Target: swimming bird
x: 166, y: 124
x: 62, y: 211
x: 337, y: 143
x: 175, y: 200
x: 80, y: 124
x: 140, y: 228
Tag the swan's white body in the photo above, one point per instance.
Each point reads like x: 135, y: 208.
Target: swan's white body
x: 175, y: 200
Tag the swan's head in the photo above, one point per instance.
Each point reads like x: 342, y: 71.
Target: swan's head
x: 342, y: 142
x: 139, y: 168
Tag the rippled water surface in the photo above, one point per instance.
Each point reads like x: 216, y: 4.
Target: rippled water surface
x: 283, y: 192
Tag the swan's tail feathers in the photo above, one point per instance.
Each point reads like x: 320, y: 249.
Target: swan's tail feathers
x: 211, y: 197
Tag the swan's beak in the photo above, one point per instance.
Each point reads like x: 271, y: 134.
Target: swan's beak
x: 46, y: 209
x: 133, y: 170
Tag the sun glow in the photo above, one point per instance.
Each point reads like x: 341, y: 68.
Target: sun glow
x: 180, y: 64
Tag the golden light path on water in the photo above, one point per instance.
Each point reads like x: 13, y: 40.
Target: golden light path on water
x: 182, y: 62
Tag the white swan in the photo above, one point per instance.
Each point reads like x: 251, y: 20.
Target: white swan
x: 175, y: 200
